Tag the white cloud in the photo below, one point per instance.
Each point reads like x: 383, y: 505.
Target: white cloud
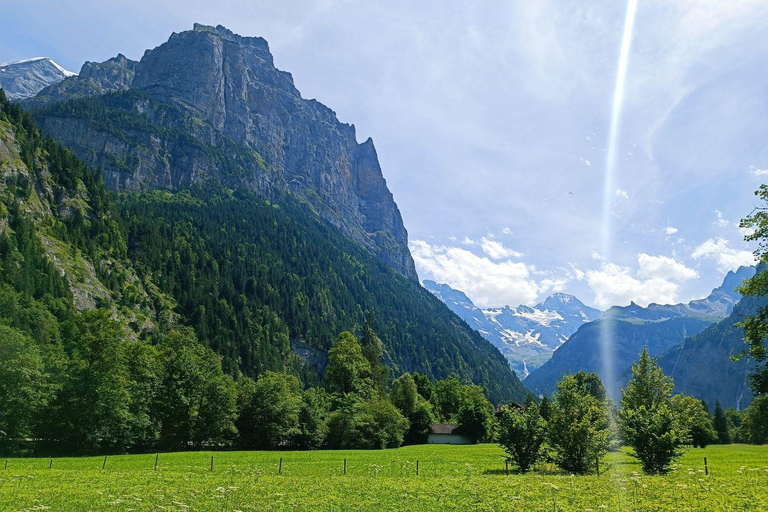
x: 622, y: 193
x: 669, y: 230
x: 664, y: 268
x: 727, y: 258
x: 497, y: 250
x: 656, y: 280
x: 595, y: 255
x: 746, y: 231
x: 506, y: 231
x: 488, y: 283
x: 720, y: 221
x: 757, y: 173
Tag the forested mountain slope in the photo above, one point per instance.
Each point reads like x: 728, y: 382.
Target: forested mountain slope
x: 250, y: 275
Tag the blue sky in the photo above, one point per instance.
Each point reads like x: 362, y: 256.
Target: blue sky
x: 491, y: 122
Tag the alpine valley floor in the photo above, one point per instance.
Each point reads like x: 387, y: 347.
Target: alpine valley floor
x: 450, y: 478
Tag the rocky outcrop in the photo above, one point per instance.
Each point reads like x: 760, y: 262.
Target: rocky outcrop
x: 210, y: 106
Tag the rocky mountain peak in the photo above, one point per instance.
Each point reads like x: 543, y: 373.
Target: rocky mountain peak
x: 24, y: 78
x: 238, y: 121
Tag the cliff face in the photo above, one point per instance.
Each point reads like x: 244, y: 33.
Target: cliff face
x: 208, y: 106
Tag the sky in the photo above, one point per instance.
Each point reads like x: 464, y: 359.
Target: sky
x: 491, y: 121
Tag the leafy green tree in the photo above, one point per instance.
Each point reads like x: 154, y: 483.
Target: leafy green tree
x: 423, y: 385
x: 313, y: 429
x: 197, y: 402
x: 25, y: 388
x: 649, y: 424
x: 755, y: 424
x: 92, y: 412
x: 475, y: 416
x: 578, y: 425
x: 366, y: 425
x: 268, y: 410
x: 448, y: 398
x: 405, y: 396
x: 373, y: 350
x: 756, y: 326
x: 521, y: 433
x: 720, y: 423
x: 348, y: 371
x: 695, y: 419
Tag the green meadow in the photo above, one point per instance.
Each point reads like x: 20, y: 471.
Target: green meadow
x: 449, y: 478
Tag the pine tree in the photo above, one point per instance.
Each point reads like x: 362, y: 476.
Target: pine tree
x: 721, y: 425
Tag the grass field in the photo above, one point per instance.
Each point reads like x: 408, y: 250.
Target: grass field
x: 450, y: 478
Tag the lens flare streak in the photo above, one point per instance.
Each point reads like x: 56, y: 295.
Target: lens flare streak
x: 606, y: 338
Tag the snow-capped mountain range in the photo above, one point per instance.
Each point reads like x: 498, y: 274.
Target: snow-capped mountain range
x: 527, y: 336
x: 25, y: 78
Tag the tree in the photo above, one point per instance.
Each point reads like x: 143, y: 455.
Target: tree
x: 545, y: 407
x: 475, y: 415
x: 269, y: 410
x: 373, y: 350
x: 578, y: 425
x: 197, y: 402
x: 521, y: 433
x: 25, y: 388
x: 405, y: 396
x: 648, y: 422
x: 755, y: 424
x: 312, y: 418
x: 447, y: 398
x: 695, y: 419
x: 756, y: 326
x: 366, y: 425
x: 348, y: 370
x: 423, y: 385
x: 720, y: 424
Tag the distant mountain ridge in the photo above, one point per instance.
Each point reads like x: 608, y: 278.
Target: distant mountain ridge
x: 657, y: 327
x: 526, y: 336
x: 24, y: 78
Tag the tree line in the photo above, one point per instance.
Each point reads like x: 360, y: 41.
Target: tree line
x: 580, y: 424
x: 100, y: 392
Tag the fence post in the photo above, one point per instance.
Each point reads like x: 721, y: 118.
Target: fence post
x: 211, y: 462
x: 597, y: 465
x: 280, y: 469
x: 706, y: 468
x: 51, y: 464
x: 157, y: 456
x: 6, y: 463
x: 104, y: 465
x: 345, y: 466
x: 506, y: 467
x: 417, y: 467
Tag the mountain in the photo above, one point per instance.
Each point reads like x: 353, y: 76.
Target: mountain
x: 657, y: 327
x: 701, y: 365
x: 25, y: 78
x: 526, y: 336
x: 260, y: 223
x: 209, y: 106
